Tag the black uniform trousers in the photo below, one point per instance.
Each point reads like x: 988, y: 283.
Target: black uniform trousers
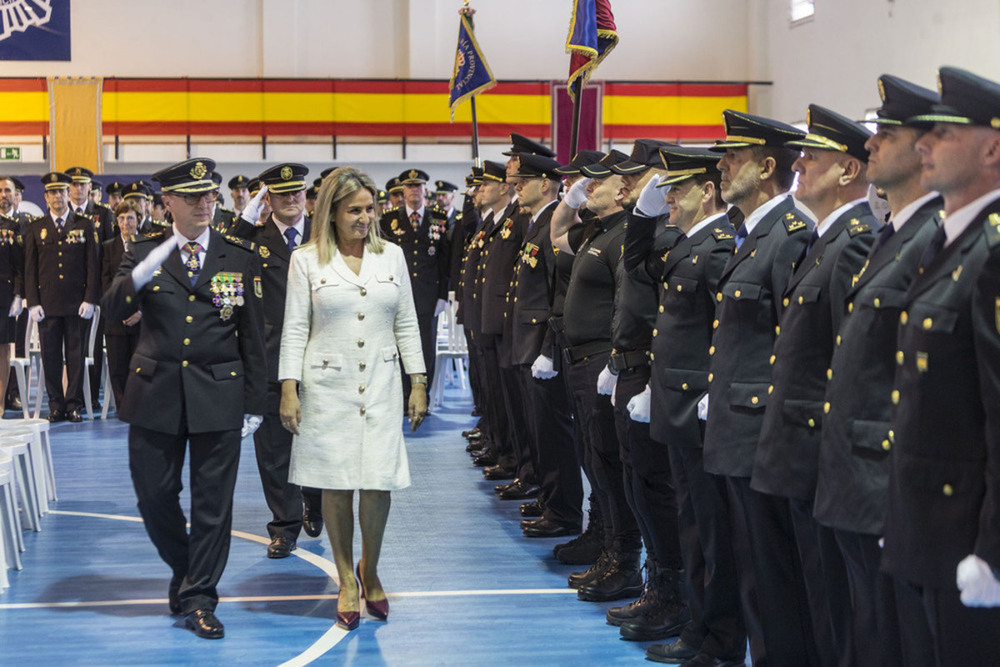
x: 55, y: 333
x: 649, y: 487
x: 273, y: 445
x: 779, y: 610
x: 428, y: 340
x: 716, y: 625
x: 156, y: 460
x: 120, y: 350
x: 826, y: 585
x: 558, y: 471
x: 475, y: 376
x: 875, y: 627
x: 517, y: 419
x: 939, y: 631
x: 20, y: 332
x: 601, y: 452
x: 496, y: 408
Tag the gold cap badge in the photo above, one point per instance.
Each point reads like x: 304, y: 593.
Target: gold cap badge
x: 286, y: 173
x: 199, y: 170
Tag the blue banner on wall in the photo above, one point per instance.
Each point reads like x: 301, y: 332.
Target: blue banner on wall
x: 34, y: 30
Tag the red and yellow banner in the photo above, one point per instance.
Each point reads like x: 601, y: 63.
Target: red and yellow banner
x: 374, y: 110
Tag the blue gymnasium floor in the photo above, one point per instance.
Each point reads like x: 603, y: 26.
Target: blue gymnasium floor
x: 466, y: 587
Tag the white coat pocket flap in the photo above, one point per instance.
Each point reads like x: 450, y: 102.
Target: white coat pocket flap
x: 390, y: 353
x: 327, y: 361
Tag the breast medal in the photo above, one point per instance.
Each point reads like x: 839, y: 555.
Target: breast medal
x: 227, y: 292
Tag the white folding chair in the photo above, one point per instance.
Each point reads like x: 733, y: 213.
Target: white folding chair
x: 10, y: 521
x: 33, y: 344
x: 22, y: 365
x: 18, y: 449
x: 41, y: 454
x: 89, y: 363
x: 452, y: 353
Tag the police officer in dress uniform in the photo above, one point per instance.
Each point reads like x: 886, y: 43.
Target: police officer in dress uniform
x: 222, y: 218
x: 544, y: 396
x: 422, y: 233
x: 141, y: 193
x: 943, y: 521
x: 588, y: 311
x: 114, y: 193
x: 275, y: 238
x: 239, y: 192
x: 106, y: 228
x: 679, y: 356
x: 8, y: 209
x: 833, y: 184
x: 120, y: 336
x: 855, y: 443
x: 11, y: 286
x: 62, y: 286
x: 444, y: 198
x: 395, y: 191
x: 756, y: 175
x: 199, y: 379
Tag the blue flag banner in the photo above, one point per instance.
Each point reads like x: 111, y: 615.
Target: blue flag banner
x: 471, y: 75
x: 34, y: 30
x: 592, y: 36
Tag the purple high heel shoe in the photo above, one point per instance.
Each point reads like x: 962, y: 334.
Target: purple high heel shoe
x: 376, y: 609
x: 349, y: 620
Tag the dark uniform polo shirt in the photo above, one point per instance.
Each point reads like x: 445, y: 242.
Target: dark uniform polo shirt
x: 590, y: 298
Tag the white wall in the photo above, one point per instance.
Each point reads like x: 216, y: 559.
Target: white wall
x: 835, y: 59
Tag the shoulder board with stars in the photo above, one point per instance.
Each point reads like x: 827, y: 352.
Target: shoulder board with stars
x: 794, y: 223
x: 856, y: 227
x: 721, y: 234
x: 237, y: 241
x: 992, y: 227
x: 439, y: 213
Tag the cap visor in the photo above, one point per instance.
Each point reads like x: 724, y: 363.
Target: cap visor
x: 628, y: 167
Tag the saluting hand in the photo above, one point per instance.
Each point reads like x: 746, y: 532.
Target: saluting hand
x: 251, y: 213
x: 143, y: 271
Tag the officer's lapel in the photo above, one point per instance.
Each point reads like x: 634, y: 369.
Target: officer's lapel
x: 173, y: 266
x: 886, y: 255
x: 275, y: 241
x: 949, y: 257
x: 307, y: 230
x: 213, y: 260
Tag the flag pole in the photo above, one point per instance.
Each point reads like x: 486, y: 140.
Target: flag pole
x: 468, y: 11
x: 575, y: 133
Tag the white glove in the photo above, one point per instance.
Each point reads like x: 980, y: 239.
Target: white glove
x: 86, y: 310
x: 638, y: 406
x: 143, y: 271
x: 439, y: 308
x: 542, y: 369
x: 703, y: 408
x: 251, y: 213
x: 652, y: 202
x: 977, y: 582
x: 606, y: 382
x: 250, y: 424
x: 577, y: 195
x: 16, y: 306
x: 36, y: 313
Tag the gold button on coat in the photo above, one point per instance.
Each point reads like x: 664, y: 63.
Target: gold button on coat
x: 947, y: 490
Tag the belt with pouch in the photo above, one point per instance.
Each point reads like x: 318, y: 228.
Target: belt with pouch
x: 623, y: 361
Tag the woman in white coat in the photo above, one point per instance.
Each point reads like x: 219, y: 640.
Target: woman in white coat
x: 349, y: 318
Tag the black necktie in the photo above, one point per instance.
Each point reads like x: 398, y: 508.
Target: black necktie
x: 933, y: 248
x: 883, y: 236
x: 59, y: 224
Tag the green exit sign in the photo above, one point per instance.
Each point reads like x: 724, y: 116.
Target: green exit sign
x: 10, y: 152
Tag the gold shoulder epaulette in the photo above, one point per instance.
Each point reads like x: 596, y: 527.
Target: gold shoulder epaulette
x: 794, y: 223
x: 156, y: 235
x: 856, y: 227
x: 721, y: 234
x: 993, y: 229
x: 237, y: 241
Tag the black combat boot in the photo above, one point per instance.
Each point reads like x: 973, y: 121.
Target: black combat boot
x: 622, y: 579
x: 666, y: 617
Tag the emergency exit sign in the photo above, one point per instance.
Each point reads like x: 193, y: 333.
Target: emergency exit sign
x: 10, y: 152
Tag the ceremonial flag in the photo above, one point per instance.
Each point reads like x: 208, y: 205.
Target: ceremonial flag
x: 471, y: 75
x: 592, y: 36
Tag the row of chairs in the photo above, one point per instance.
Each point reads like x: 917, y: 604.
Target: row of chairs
x: 27, y: 486
x: 452, y: 354
x: 28, y: 369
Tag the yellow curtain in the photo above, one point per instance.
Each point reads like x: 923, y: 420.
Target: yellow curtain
x: 75, y: 123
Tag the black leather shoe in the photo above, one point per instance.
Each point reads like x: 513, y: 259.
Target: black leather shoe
x: 520, y: 491
x: 581, y: 550
x: 674, y: 654
x: 506, y: 485
x: 74, y: 416
x: 578, y: 579
x: 475, y: 446
x: 472, y: 434
x: 486, y: 459
x: 531, y: 509
x: 57, y: 416
x: 546, y: 528
x: 280, y: 547
x: 703, y: 660
x: 498, y: 472
x: 529, y: 522
x: 173, y: 596
x: 312, y: 522
x: 204, y: 624
x: 13, y: 403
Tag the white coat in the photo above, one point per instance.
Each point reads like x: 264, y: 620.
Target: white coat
x: 342, y: 341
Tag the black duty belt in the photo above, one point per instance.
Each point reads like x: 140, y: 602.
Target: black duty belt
x: 577, y: 352
x: 623, y: 361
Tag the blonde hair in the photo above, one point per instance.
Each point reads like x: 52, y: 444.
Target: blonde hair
x: 340, y: 184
